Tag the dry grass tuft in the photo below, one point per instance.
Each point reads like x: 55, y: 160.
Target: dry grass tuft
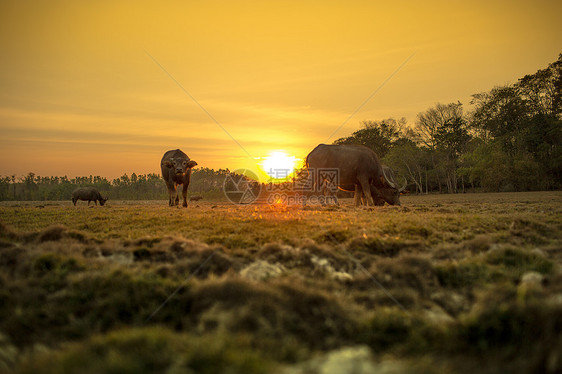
x: 52, y: 233
x: 279, y: 310
x: 7, y: 232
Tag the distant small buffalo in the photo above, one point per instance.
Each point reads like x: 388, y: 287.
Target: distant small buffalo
x: 87, y: 193
x: 176, y: 170
x: 195, y: 198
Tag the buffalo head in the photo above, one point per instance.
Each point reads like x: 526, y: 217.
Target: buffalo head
x: 390, y: 192
x: 180, y: 165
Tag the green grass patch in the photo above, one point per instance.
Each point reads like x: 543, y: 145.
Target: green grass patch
x: 519, y: 261
x: 151, y: 350
x: 463, y: 275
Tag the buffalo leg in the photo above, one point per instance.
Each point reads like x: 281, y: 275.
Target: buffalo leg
x: 172, y: 193
x: 184, y: 195
x: 367, y: 190
x: 327, y: 194
x: 324, y: 193
x: 358, y: 197
x: 376, y: 196
x: 330, y: 193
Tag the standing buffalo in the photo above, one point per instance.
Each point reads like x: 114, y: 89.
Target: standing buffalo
x: 359, y: 168
x: 87, y: 193
x: 176, y: 170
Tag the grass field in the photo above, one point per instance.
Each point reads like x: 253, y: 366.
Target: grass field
x: 443, y: 283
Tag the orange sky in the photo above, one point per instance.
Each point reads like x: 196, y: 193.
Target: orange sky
x: 80, y: 94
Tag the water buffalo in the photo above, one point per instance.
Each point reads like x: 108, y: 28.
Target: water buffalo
x: 389, y: 175
x: 87, y: 193
x: 176, y: 170
x: 358, y: 168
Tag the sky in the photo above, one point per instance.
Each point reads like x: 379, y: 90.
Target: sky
x: 107, y: 87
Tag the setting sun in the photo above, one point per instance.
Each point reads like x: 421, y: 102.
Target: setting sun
x: 278, y: 165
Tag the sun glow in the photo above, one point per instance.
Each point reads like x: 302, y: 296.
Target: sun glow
x: 279, y: 165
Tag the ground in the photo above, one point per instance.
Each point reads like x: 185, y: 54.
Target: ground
x: 443, y: 283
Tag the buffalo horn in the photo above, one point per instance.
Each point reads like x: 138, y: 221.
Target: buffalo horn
x: 388, y: 181
x: 404, y: 185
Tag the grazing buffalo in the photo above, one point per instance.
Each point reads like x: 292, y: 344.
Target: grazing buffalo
x: 388, y: 174
x: 358, y: 169
x: 377, y: 199
x: 176, y: 170
x: 87, y: 193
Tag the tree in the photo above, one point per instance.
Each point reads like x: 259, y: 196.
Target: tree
x: 443, y: 131
x: 524, y: 120
x: 542, y: 91
x: 499, y: 115
x: 377, y: 135
x: 411, y: 161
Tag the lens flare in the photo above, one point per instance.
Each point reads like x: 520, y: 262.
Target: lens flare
x: 279, y: 165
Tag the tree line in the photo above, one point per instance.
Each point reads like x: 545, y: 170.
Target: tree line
x: 510, y: 140
x: 204, y: 182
